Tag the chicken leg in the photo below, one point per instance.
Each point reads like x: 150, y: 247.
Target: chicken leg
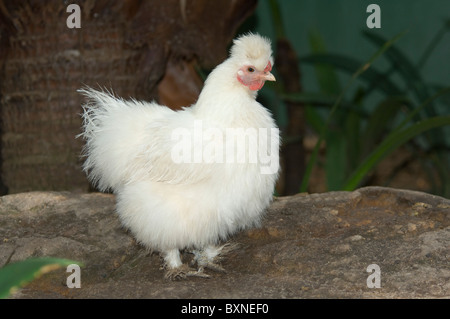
x: 211, y: 255
x: 175, y: 269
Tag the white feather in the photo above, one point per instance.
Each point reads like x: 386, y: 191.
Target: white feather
x: 170, y: 205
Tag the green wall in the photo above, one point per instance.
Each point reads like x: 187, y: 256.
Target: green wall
x: 341, y: 22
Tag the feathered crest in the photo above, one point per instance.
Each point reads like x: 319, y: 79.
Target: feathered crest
x: 253, y: 48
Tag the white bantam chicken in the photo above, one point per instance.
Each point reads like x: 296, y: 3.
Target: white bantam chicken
x: 188, y: 179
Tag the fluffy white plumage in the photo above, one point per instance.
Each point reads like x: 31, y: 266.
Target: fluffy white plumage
x: 170, y: 206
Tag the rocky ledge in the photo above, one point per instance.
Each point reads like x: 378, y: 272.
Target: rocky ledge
x: 330, y: 245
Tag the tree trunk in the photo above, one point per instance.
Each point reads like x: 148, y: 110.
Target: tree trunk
x: 124, y: 46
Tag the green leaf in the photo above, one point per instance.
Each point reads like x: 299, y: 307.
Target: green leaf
x: 393, y: 141
x: 433, y: 44
x: 277, y: 19
x: 379, y: 122
x: 322, y: 99
x: 352, y: 136
x: 326, y: 75
x: 426, y: 103
x: 408, y: 71
x: 309, y: 98
x: 351, y: 65
x: 445, y: 98
x: 16, y: 275
x: 314, y: 119
x: 313, y: 159
x: 336, y: 159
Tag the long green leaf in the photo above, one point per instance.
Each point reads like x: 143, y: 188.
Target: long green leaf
x: 406, y: 69
x: 433, y: 43
x: 326, y: 75
x: 352, y: 138
x: 329, y: 85
x: 277, y: 19
x: 351, y: 65
x: 426, y: 103
x: 445, y: 98
x: 336, y: 159
x: 309, y: 98
x: 361, y: 69
x: 16, y: 275
x: 396, y: 139
x: 325, y: 100
x: 314, y: 119
x: 379, y: 122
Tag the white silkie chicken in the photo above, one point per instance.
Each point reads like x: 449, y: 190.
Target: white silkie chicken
x: 188, y: 179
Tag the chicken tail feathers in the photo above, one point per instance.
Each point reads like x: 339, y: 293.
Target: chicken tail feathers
x: 112, y: 134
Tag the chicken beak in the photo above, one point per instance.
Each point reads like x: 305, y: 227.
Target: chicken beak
x: 268, y: 76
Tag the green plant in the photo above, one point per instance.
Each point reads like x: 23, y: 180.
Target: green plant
x: 16, y: 275
x: 358, y: 137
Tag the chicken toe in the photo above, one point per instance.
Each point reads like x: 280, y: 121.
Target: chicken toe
x: 182, y: 272
x: 176, y: 270
x: 212, y: 255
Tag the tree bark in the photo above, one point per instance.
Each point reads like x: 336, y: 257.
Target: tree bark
x: 124, y: 46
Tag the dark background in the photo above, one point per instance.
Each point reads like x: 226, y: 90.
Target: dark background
x: 164, y: 49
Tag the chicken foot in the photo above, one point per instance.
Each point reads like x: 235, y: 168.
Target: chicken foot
x: 210, y: 256
x: 176, y: 270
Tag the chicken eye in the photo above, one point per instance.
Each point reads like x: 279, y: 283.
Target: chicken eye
x: 251, y: 70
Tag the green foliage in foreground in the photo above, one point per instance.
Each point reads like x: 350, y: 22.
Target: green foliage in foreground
x: 18, y: 274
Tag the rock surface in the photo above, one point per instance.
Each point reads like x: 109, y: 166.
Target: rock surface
x: 309, y: 246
